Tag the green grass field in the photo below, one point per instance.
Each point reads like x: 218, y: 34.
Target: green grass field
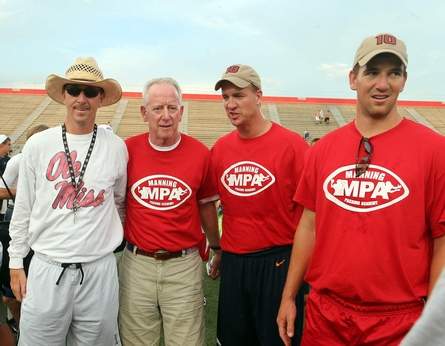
x: 211, y: 289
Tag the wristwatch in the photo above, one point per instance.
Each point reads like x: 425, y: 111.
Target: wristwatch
x: 215, y: 247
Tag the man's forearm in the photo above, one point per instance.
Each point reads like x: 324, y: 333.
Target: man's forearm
x: 4, y: 194
x: 302, y: 248
x: 209, y: 222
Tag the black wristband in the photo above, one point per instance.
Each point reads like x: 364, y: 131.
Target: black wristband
x: 215, y: 248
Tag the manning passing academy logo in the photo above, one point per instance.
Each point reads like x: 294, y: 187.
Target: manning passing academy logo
x: 161, y: 192
x: 375, y: 189
x: 246, y: 178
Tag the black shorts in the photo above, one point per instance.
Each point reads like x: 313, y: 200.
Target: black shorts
x: 249, y: 298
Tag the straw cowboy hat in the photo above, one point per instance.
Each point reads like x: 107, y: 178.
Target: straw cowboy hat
x: 84, y: 71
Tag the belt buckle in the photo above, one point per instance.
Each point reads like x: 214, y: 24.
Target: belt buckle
x: 160, y: 254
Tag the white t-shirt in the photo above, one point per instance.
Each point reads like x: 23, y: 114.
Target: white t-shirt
x: 43, y: 218
x: 11, y: 173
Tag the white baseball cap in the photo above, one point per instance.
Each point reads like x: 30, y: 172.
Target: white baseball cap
x: 3, y: 138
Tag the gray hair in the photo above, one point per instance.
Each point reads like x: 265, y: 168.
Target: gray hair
x: 163, y: 80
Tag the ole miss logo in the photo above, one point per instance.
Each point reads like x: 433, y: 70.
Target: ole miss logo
x: 161, y: 192
x: 67, y: 195
x: 246, y: 178
x: 376, y: 189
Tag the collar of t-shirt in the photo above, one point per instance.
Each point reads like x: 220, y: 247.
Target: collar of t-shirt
x: 169, y: 148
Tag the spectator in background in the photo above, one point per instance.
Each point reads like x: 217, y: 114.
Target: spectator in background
x: 10, y: 177
x: 327, y: 117
x: 257, y: 167
x: 321, y: 115
x: 5, y: 148
x: 11, y: 173
x: 6, y: 336
x: 317, y: 118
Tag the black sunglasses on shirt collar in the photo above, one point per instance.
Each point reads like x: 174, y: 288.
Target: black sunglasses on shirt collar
x: 362, y: 162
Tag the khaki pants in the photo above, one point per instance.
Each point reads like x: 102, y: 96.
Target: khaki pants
x: 158, y: 294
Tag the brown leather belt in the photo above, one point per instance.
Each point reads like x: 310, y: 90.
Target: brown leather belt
x: 161, y: 255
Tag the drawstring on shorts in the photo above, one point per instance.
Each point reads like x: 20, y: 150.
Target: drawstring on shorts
x: 67, y: 265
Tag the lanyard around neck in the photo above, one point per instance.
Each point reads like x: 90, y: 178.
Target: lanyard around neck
x: 70, y: 162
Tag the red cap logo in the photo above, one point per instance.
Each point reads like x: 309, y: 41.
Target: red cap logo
x: 232, y: 69
x: 386, y: 39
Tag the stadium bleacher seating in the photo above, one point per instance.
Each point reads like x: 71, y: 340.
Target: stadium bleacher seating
x: 204, y: 116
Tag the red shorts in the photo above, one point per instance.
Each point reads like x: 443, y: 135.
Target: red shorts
x: 332, y: 321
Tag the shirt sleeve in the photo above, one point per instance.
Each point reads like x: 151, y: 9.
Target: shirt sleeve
x: 437, y: 193
x: 24, y: 201
x: 306, y: 190
x: 120, y: 185
x: 11, y: 172
x: 213, y: 169
x: 207, y: 191
x: 428, y: 330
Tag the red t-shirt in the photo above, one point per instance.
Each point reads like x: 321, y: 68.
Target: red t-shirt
x: 374, y: 233
x: 163, y: 191
x: 256, y: 181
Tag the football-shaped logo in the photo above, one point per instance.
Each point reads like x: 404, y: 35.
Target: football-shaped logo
x: 161, y: 192
x: 246, y: 178
x: 375, y: 189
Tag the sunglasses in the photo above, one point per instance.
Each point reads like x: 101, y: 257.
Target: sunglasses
x: 362, y: 162
x: 88, y: 91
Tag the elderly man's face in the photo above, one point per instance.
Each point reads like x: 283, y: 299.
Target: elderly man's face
x: 163, y: 113
x: 5, y: 147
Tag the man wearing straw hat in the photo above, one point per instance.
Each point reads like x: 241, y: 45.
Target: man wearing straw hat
x: 70, y: 191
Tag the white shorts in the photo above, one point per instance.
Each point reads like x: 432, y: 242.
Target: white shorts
x: 70, y: 313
